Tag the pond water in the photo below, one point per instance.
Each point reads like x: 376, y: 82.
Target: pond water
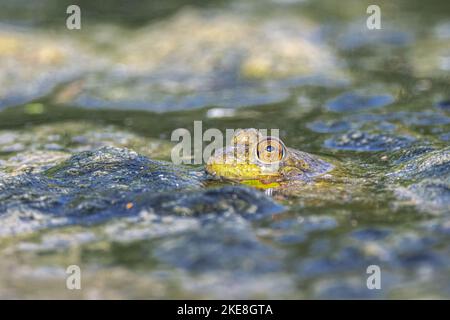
x: 375, y: 102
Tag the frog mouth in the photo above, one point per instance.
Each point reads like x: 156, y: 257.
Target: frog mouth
x: 244, y: 171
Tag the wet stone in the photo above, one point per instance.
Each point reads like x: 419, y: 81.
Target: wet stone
x: 72, y: 137
x: 94, y: 186
x: 58, y: 242
x: 356, y: 38
x: 432, y: 164
x: 308, y: 224
x: 224, y: 245
x: 444, y: 105
x: 87, y: 187
x: 298, y: 230
x: 347, y: 258
x: 243, y: 59
x: 424, y: 180
x: 32, y: 161
x: 331, y: 126
x: 16, y: 147
x: 44, y: 146
x: 381, y: 121
x: 142, y: 228
x: 353, y: 101
x: 405, y: 155
x: 414, y: 250
x: 351, y: 289
x: 445, y: 136
x: 430, y: 58
x: 235, y: 71
x: 384, y: 122
x: 150, y: 99
x: 34, y: 64
x: 7, y: 138
x: 232, y: 285
x: 364, y: 141
x: 442, y: 30
x: 244, y: 201
x: 429, y: 195
x: 440, y: 226
x: 148, y: 225
x: 370, y: 234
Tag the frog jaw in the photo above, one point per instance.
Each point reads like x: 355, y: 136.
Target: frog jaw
x: 239, y: 163
x: 240, y: 172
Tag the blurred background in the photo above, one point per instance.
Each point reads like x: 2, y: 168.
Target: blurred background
x: 377, y: 101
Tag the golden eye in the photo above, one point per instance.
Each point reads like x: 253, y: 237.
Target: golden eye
x: 270, y: 150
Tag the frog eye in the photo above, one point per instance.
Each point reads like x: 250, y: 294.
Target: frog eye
x: 270, y: 150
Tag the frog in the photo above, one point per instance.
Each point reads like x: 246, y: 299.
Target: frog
x: 264, y: 161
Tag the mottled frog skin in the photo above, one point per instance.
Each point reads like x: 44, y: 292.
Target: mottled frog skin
x: 254, y: 157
